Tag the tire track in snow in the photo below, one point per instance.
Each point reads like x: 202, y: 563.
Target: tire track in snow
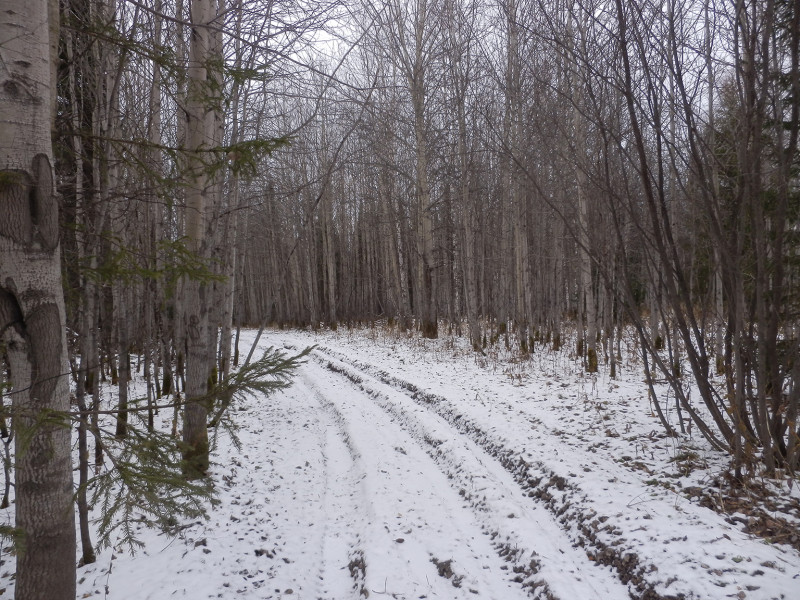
x: 542, y: 486
x: 419, y: 538
x: 344, y: 498
x: 523, y: 534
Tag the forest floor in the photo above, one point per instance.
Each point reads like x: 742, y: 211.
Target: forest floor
x: 403, y: 468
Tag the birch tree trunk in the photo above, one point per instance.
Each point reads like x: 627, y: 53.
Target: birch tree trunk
x: 32, y: 315
x: 328, y: 252
x: 412, y: 32
x: 719, y: 308
x: 200, y: 131
x: 423, y: 292
x: 468, y: 228
x: 587, y: 312
x: 238, y: 101
x: 518, y: 202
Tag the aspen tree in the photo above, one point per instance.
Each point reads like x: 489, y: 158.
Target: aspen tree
x: 200, y: 134
x: 411, y: 33
x: 460, y: 38
x: 587, y: 311
x: 32, y: 314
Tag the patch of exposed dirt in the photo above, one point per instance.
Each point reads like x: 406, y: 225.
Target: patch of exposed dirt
x: 445, y: 569
x: 754, y: 507
x: 358, y: 572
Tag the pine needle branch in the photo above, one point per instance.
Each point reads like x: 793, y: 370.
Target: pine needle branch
x: 272, y: 372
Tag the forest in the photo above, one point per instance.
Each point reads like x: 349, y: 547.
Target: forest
x: 525, y: 173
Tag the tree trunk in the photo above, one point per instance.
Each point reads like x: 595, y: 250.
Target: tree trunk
x: 32, y: 315
x: 587, y: 311
x: 122, y: 317
x: 423, y: 291
x: 200, y: 137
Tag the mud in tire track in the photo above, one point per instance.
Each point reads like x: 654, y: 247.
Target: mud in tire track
x: 523, y: 562
x: 411, y: 519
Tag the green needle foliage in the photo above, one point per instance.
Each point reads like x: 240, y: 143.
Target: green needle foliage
x: 245, y: 156
x: 146, y: 482
x: 272, y: 372
x: 124, y: 264
x: 145, y: 485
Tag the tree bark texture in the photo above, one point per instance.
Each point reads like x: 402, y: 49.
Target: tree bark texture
x: 200, y: 132
x: 32, y: 315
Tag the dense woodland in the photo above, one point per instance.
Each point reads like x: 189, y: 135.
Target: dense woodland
x: 523, y: 172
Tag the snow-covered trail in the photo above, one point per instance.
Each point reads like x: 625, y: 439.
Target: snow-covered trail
x: 439, y: 516
x: 390, y: 471
x: 343, y: 492
x: 597, y: 486
x: 402, y: 512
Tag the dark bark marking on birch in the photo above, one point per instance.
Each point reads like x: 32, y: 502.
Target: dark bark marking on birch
x: 30, y: 207
x: 10, y: 311
x: 11, y: 88
x: 15, y: 216
x: 44, y: 204
x: 43, y: 327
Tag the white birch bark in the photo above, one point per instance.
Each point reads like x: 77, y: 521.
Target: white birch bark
x: 423, y: 296
x: 32, y: 316
x: 200, y: 133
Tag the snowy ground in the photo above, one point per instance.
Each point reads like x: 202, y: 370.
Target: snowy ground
x: 408, y: 469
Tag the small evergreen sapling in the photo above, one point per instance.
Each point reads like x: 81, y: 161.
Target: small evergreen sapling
x: 146, y: 482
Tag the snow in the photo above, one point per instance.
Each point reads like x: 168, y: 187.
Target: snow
x: 407, y: 468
